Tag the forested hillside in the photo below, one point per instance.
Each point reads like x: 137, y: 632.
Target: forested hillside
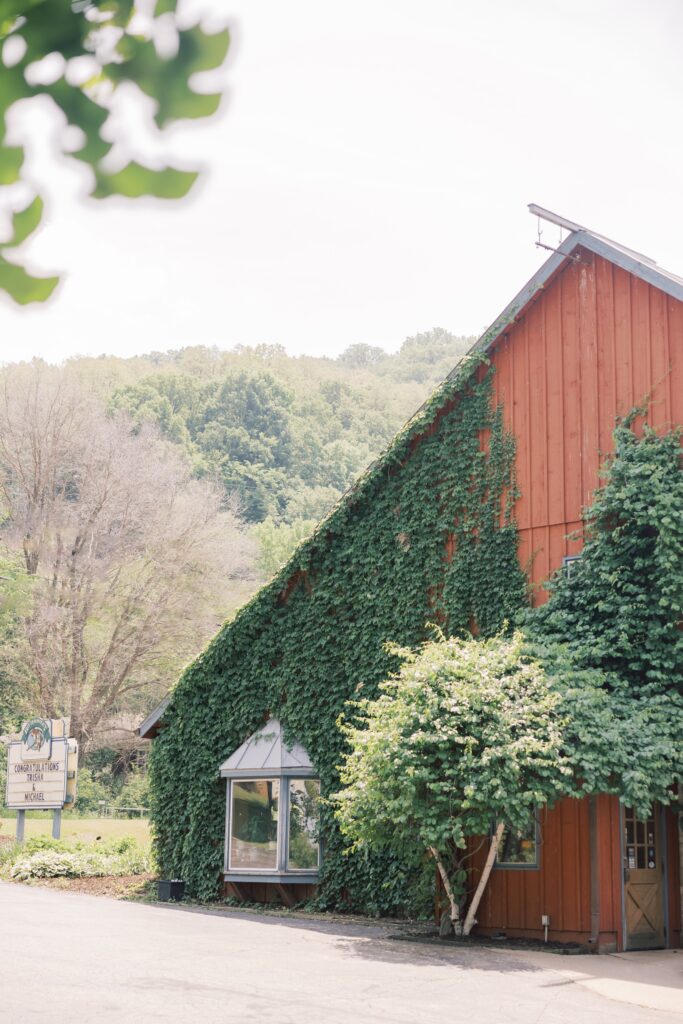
x: 285, y: 436
x: 143, y: 500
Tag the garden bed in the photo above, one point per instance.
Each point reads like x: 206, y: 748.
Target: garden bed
x: 122, y: 887
x: 492, y: 942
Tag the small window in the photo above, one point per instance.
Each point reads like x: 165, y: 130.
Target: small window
x: 568, y: 563
x: 519, y: 848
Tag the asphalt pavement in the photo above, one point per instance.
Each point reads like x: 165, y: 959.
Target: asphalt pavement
x: 67, y: 958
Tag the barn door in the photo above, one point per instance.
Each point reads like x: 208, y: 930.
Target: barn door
x: 643, y: 880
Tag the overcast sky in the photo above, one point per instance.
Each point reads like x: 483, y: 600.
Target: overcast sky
x: 368, y: 175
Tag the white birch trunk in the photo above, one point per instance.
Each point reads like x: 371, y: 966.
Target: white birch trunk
x: 470, y: 919
x: 455, y: 908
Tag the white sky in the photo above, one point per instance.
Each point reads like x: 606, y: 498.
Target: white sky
x: 368, y: 176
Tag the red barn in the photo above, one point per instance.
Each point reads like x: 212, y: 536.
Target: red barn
x: 597, y: 331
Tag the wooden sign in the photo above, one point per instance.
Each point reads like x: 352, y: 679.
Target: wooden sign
x: 39, y: 784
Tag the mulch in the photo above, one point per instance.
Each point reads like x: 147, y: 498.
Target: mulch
x: 124, y: 887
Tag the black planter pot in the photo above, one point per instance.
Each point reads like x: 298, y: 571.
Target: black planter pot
x: 170, y: 889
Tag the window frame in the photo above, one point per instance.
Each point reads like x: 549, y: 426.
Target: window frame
x: 285, y: 860
x: 568, y: 563
x: 531, y: 866
x: 281, y: 872
x: 228, y: 848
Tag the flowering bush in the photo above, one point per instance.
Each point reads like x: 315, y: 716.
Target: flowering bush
x: 122, y: 857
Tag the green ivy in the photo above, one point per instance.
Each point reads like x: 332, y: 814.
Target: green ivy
x: 620, y: 607
x: 375, y: 570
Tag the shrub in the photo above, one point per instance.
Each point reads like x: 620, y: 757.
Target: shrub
x: 54, y: 859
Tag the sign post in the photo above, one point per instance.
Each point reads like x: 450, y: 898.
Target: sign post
x: 41, y: 771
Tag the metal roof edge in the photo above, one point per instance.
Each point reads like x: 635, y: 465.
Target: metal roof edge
x: 647, y: 271
x: 627, y: 259
x: 516, y: 307
x: 145, y: 728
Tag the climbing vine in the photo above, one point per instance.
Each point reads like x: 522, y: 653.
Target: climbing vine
x: 427, y: 535
x: 620, y: 607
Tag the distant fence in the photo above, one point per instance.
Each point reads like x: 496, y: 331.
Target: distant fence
x: 113, y: 811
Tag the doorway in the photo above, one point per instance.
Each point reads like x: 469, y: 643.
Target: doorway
x: 643, y: 880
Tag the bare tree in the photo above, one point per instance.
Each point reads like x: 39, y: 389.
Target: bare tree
x: 129, y: 556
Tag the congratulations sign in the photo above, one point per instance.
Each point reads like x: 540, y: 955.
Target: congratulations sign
x: 39, y: 784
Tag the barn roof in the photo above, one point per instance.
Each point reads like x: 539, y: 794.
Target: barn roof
x: 579, y: 238
x: 151, y: 725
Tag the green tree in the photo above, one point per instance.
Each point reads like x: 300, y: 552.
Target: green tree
x: 78, y: 54
x: 362, y: 355
x: 277, y: 542
x: 135, y: 790
x: 471, y: 733
x: 15, y: 599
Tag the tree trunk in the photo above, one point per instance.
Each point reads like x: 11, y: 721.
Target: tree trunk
x: 455, y: 907
x: 470, y: 919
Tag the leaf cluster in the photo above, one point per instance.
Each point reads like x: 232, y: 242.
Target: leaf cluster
x: 78, y: 54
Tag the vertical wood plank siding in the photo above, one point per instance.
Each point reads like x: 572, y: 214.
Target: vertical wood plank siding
x: 596, y: 342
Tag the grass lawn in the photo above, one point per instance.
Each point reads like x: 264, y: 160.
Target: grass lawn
x: 84, y: 829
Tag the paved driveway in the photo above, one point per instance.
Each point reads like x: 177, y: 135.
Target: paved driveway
x: 69, y: 959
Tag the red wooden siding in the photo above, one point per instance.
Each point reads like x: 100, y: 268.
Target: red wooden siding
x: 515, y: 899
x: 594, y: 343
x: 673, y: 864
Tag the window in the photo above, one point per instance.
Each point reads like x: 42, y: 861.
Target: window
x: 272, y: 811
x: 568, y: 563
x: 519, y: 848
x: 304, y: 802
x: 254, y: 818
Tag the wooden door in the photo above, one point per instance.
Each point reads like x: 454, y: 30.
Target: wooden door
x: 643, y: 880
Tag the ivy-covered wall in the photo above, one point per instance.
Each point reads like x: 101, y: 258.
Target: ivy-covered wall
x: 426, y: 536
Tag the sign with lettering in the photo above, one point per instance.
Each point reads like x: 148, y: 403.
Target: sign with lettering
x: 37, y: 784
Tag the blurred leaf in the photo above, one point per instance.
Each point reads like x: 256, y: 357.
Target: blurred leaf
x: 167, y: 81
x: 25, y: 222
x: 22, y: 286
x: 66, y: 29
x: 135, y: 181
x: 11, y: 159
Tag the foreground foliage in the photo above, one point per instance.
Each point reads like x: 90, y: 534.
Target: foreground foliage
x: 77, y: 55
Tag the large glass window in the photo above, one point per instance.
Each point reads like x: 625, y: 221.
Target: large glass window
x: 519, y: 848
x: 304, y: 803
x: 254, y: 817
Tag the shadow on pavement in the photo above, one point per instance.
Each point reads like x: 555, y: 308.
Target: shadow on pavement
x: 375, y: 941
